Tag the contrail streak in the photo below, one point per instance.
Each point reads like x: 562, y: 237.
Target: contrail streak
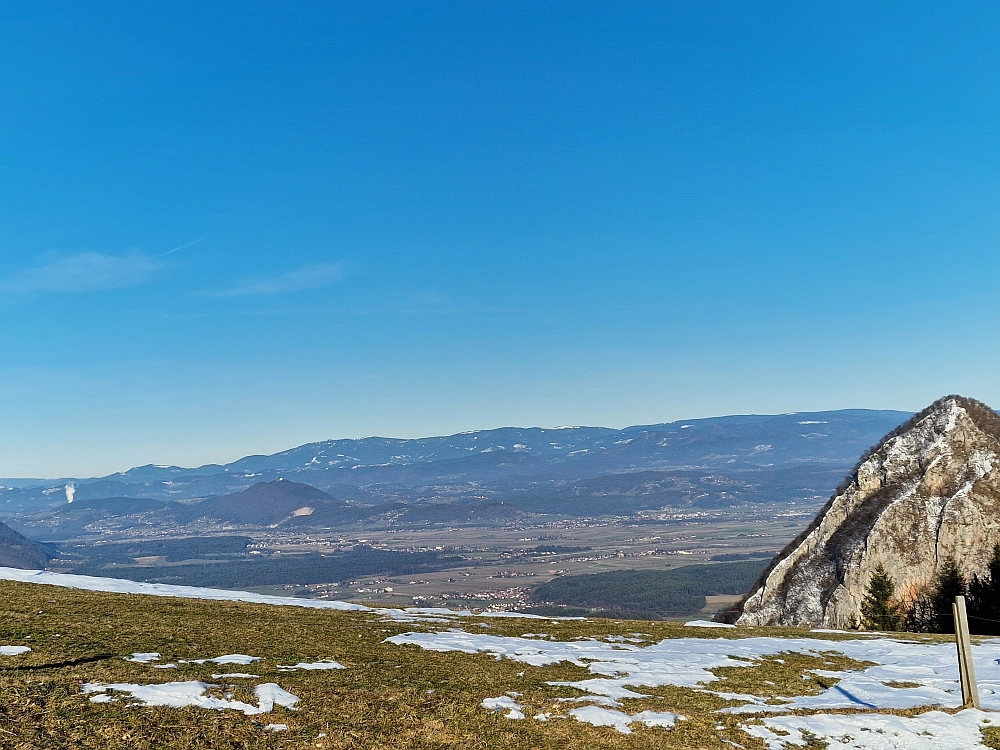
x: 180, y: 247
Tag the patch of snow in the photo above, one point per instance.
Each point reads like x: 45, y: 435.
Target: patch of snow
x: 269, y: 695
x: 140, y: 657
x: 13, y: 650
x: 181, y: 694
x: 928, y: 731
x: 121, y: 586
x: 321, y: 664
x: 234, y: 674
x: 227, y: 659
x: 707, y: 624
x: 813, y: 421
x: 688, y: 662
x: 276, y: 728
x: 603, y: 717
x: 664, y: 719
x: 504, y: 703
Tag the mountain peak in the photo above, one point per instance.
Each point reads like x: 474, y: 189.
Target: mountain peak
x: 264, y: 503
x: 927, y: 491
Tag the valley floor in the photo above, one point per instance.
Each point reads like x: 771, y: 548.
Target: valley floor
x: 124, y: 670
x: 495, y: 568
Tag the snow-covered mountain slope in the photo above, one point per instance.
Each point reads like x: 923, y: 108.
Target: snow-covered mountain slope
x: 510, y: 463
x: 928, y: 491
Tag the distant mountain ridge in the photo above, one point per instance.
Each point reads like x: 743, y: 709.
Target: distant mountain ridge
x: 709, y: 461
x: 560, y: 443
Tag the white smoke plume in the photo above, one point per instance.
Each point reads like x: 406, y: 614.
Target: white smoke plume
x: 70, y: 491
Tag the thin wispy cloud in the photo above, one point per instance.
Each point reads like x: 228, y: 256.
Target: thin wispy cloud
x: 83, y: 272
x: 301, y: 279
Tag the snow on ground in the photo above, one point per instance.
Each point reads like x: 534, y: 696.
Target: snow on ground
x: 180, y: 694
x: 707, y: 624
x: 504, y: 703
x: 321, y: 664
x: 13, y: 650
x: 933, y: 730
x: 270, y: 694
x: 603, y: 717
x: 121, y: 586
x: 226, y: 659
x: 243, y: 675
x: 685, y: 662
x: 143, y: 657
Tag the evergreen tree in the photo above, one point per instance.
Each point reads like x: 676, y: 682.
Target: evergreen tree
x: 984, y: 598
x: 879, y: 611
x: 949, y: 583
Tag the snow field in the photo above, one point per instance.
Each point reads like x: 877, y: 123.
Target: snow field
x: 686, y: 662
x: 192, y: 693
x: 934, y: 730
x: 907, y: 674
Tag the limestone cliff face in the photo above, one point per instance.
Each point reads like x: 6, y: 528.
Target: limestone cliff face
x: 930, y: 490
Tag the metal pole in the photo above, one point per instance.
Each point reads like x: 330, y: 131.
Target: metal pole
x: 966, y: 669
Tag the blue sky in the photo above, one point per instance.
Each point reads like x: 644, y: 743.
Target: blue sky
x: 232, y: 228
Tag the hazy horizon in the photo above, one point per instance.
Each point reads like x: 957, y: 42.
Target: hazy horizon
x: 230, y: 459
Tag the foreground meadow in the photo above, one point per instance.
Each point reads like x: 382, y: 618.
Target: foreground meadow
x: 294, y: 677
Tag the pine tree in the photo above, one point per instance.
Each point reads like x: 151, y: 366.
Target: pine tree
x: 949, y: 583
x: 878, y: 609
x: 984, y: 598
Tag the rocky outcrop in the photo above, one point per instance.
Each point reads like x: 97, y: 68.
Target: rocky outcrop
x: 930, y: 490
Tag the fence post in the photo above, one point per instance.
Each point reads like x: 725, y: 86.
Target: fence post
x: 966, y: 669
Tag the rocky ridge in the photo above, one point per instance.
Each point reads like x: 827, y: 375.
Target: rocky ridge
x: 928, y: 491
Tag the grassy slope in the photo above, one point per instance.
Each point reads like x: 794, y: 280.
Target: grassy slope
x: 389, y: 697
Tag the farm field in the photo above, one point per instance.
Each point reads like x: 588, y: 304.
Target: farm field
x: 495, y: 567
x: 337, y: 676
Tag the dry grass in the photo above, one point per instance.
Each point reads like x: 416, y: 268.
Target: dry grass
x: 388, y: 697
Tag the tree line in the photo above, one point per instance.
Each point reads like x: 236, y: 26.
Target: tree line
x: 930, y: 610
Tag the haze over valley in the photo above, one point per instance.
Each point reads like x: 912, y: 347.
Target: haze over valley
x: 475, y: 519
